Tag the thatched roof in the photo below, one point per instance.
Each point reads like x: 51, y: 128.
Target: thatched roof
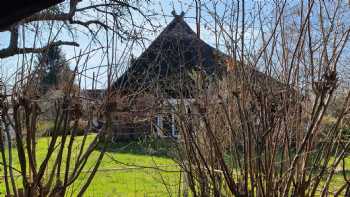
x: 165, y: 64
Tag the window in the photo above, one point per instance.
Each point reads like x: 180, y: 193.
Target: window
x: 166, y: 125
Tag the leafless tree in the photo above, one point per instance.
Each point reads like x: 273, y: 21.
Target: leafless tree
x: 260, y: 131
x: 75, y: 15
x: 20, y: 109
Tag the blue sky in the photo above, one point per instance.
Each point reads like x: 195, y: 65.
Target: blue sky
x: 9, y: 65
x: 163, y: 8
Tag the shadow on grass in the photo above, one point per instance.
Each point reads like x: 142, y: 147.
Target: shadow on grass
x: 160, y: 147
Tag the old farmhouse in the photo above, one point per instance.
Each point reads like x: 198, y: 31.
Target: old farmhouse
x: 162, y: 77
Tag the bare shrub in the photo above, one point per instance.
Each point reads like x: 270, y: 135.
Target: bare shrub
x: 260, y: 131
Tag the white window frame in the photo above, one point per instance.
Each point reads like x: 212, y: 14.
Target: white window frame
x: 160, y: 125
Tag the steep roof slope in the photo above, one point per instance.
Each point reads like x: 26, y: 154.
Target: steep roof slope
x: 165, y: 64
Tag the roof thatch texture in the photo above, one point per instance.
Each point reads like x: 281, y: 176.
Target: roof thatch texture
x: 166, y: 63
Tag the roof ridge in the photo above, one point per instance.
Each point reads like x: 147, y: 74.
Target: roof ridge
x: 166, y: 30
x: 159, y: 58
x: 178, y: 20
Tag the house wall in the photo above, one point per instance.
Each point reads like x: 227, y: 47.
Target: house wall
x: 170, y: 108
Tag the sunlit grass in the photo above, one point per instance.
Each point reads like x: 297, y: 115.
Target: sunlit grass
x: 121, y: 173
x: 130, y: 169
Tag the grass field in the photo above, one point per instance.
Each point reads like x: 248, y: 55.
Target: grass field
x: 136, y: 168
x: 127, y: 169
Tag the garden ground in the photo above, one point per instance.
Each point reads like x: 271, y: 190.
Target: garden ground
x: 135, y: 168
x: 128, y: 169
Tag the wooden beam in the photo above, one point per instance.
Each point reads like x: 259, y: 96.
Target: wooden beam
x: 12, y: 11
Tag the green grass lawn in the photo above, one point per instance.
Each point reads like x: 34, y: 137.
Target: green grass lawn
x: 121, y: 172
x: 130, y: 169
